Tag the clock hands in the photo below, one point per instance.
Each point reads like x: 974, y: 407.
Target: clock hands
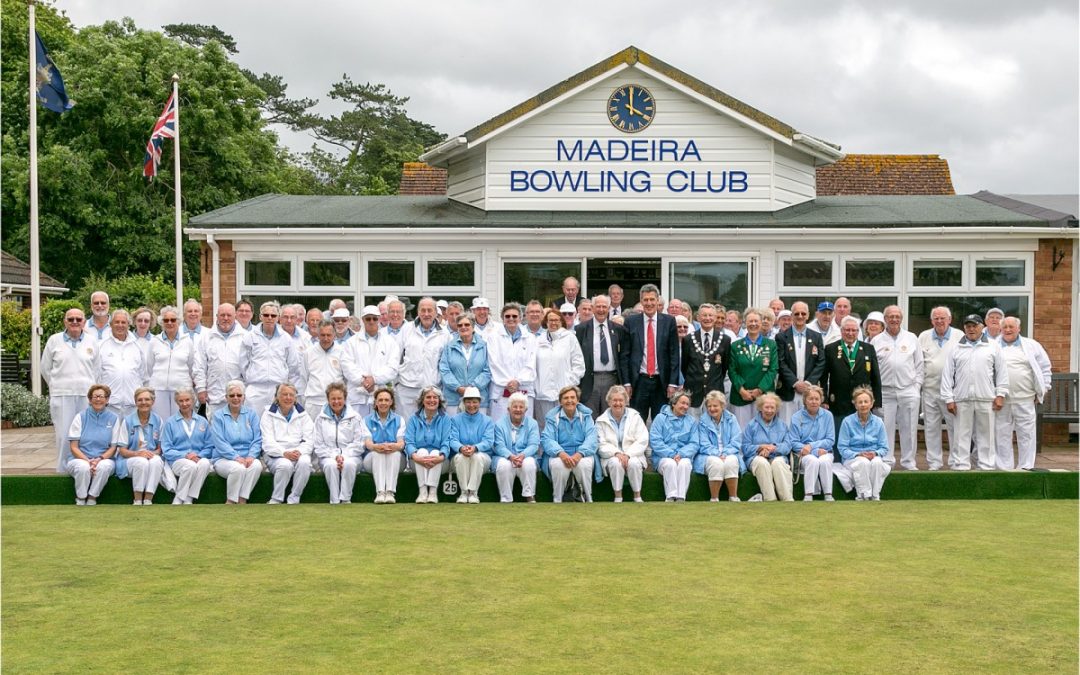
x: 630, y: 104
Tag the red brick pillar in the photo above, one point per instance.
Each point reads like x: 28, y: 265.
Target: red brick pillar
x: 227, y: 271
x: 1052, y: 312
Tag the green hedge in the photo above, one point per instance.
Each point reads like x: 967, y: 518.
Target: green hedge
x: 22, y: 408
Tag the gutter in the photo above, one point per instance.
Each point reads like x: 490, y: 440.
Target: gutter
x: 443, y: 150
x: 215, y: 268
x: 819, y: 147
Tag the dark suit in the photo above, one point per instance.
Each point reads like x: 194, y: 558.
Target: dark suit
x: 813, y: 361
x: 698, y: 382
x: 840, y: 380
x: 650, y: 394
x: 616, y: 337
x: 559, y: 302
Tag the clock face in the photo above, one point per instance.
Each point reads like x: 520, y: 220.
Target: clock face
x: 631, y: 108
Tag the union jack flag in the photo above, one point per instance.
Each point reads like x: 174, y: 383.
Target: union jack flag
x: 165, y: 127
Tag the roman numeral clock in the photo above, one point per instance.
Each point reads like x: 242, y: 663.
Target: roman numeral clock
x: 631, y: 108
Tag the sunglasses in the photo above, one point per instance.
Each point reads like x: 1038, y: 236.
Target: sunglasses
x: 371, y: 318
x: 169, y: 320
x: 269, y: 316
x: 74, y: 319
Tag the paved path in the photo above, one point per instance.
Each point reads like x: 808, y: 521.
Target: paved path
x: 31, y: 451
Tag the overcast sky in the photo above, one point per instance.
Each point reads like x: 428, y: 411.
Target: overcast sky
x: 991, y: 85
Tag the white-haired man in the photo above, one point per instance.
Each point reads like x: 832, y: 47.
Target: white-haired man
x: 901, y: 361
x: 370, y: 359
x: 1029, y: 380
x: 936, y: 343
x: 512, y: 358
x: 974, y: 384
x: 267, y: 358
x: 120, y: 364
x: 422, y: 344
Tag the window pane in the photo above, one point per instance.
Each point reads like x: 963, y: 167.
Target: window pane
x: 391, y: 273
x: 808, y: 273
x: 267, y: 272
x: 326, y: 272
x: 308, y: 301
x: 716, y: 282
x: 541, y: 281
x: 938, y: 273
x: 451, y: 273
x: 999, y: 273
x: 918, y: 318
x: 411, y: 300
x: 860, y: 306
x: 870, y: 272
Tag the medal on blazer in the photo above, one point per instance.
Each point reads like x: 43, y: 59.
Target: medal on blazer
x: 706, y: 355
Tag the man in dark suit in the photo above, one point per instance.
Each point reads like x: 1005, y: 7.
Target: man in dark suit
x: 651, y: 355
x: 571, y: 289
x: 849, y: 363
x: 615, y: 292
x: 704, y: 358
x: 801, y: 353
x: 601, y: 344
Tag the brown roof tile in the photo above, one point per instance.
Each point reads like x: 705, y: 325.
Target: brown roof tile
x: 16, y: 272
x: 886, y: 175
x: 418, y: 178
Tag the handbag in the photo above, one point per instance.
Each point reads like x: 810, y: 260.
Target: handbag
x: 574, y: 491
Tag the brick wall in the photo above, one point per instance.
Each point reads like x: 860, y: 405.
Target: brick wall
x: 227, y: 268
x: 1052, y: 317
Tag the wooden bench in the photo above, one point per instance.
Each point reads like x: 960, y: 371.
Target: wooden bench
x: 1059, y: 405
x: 10, y: 369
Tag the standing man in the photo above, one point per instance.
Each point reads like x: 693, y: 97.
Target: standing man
x: 67, y: 366
x: 994, y: 317
x: 369, y: 359
x: 651, y: 356
x: 901, y: 360
x: 341, y: 317
x: 615, y: 292
x: 481, y: 310
x: 245, y: 313
x: 453, y: 311
x: 849, y: 363
x: 267, y: 359
x: 512, y: 359
x: 1029, y: 380
x: 314, y: 319
x: 601, y: 345
x: 320, y: 365
x: 777, y: 306
x: 936, y: 343
x: 802, y: 361
x: 395, y: 315
x: 192, y: 324
x: 823, y: 323
x: 422, y: 344
x: 584, y: 311
x: 733, y: 325
x: 120, y: 364
x: 705, y: 355
x: 99, y: 309
x: 571, y: 289
x: 842, y: 310
x: 534, y: 318
x: 217, y: 360
x: 291, y: 326
x: 974, y: 385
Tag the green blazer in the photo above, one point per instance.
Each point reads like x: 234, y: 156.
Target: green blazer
x: 749, y: 372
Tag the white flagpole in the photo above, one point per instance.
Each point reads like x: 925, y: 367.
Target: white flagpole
x: 35, y: 263
x: 176, y: 177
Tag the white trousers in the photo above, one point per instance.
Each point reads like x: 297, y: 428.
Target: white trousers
x: 145, y: 473
x: 635, y: 469
x: 774, y: 478
x: 868, y: 475
x: 429, y: 477
x: 406, y: 400
x: 1019, y: 417
x: 63, y: 410
x: 500, y: 405
x: 122, y: 410
x: 722, y: 468
x: 384, y: 468
x: 744, y: 414
x: 340, y: 482
x: 283, y: 469
x: 471, y: 469
x: 239, y: 480
x: 505, y: 474
x: 560, y: 475
x: 676, y: 476
x: 541, y: 409
x: 190, y: 477
x: 164, y: 403
x: 258, y: 396
x: 85, y: 484
x: 789, y: 408
x: 901, y: 412
x: 817, y: 472
x: 973, y: 418
x: 934, y: 414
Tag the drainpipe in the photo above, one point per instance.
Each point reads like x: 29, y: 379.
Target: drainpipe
x: 215, y: 269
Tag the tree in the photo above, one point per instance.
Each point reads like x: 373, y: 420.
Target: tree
x: 276, y: 106
x: 199, y: 34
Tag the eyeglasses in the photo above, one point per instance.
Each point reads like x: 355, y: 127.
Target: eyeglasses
x: 510, y: 316
x: 234, y: 396
x: 371, y: 318
x: 269, y: 316
x: 169, y: 320
x: 100, y: 396
x: 74, y: 319
x: 800, y: 314
x: 100, y: 303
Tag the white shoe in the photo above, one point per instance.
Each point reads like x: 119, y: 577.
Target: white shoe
x: 829, y: 498
x: 80, y: 502
x: 875, y: 499
x: 808, y: 498
x: 618, y: 500
x: 422, y: 498
x: 380, y: 498
x: 670, y: 499
x: 714, y: 500
x: 639, y: 500
x: 757, y: 498
x: 292, y: 500
x: 91, y: 501
x: 389, y: 498
x: 463, y: 498
x: 433, y: 495
x: 505, y: 501
x: 474, y: 498
x: 273, y: 501
x: 148, y: 502
x: 734, y: 499
x: 188, y: 502
x: 137, y: 502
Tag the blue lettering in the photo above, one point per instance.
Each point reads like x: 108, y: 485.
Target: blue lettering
x: 571, y: 180
x: 613, y: 181
x: 690, y: 150
x: 694, y: 187
x: 611, y: 147
x: 536, y: 185
x: 668, y: 147
x: 519, y: 181
x: 564, y: 154
x: 737, y: 182
x: 594, y: 149
x: 671, y: 182
x: 723, y: 181
x: 640, y: 149
x: 640, y: 181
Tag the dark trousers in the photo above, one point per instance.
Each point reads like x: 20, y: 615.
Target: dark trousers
x: 649, y: 396
x: 597, y: 401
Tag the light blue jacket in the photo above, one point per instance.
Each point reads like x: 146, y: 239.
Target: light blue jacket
x: 152, y: 433
x: 856, y: 437
x: 759, y: 433
x: 671, y: 435
x: 478, y: 430
x: 97, y: 434
x: 434, y: 435
x: 562, y: 434
x: 241, y: 437
x: 819, y: 431
x: 175, y: 443
x: 455, y: 373
x: 528, y: 440
x: 718, y: 440
x: 384, y: 432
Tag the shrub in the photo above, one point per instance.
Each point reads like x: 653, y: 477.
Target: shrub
x: 15, y: 329
x: 52, y: 316
x: 134, y: 291
x: 22, y: 408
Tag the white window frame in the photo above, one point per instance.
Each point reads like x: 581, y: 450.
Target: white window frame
x: 667, y: 284
x: 303, y: 259
x: 367, y: 288
x: 1029, y: 272
x: 869, y: 290
x: 965, y: 270
x: 242, y: 287
x: 432, y: 289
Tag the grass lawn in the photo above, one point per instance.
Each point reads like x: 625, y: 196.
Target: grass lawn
x: 933, y: 586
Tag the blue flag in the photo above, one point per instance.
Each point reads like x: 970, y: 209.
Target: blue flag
x: 50, y: 86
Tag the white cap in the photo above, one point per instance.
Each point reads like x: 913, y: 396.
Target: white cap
x: 340, y: 313
x: 471, y: 392
x: 370, y: 310
x: 681, y: 320
x: 480, y: 303
x: 442, y: 304
x: 783, y: 313
x: 994, y: 310
x: 567, y: 308
x: 875, y: 316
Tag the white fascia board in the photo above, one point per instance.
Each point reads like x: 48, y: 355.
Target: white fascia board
x: 444, y: 150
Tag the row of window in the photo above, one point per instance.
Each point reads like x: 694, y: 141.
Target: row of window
x: 925, y: 273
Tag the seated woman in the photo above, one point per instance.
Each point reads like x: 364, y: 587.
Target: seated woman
x: 517, y: 444
x: 719, y: 447
x: 339, y: 442
x: 427, y: 443
x: 862, y: 446
x: 673, y: 438
x: 187, y: 446
x: 141, y: 457
x: 288, y: 438
x: 559, y: 363
x: 812, y: 436
x: 621, y: 443
x: 472, y: 440
x: 237, y: 445
x: 384, y: 445
x: 569, y: 442
x: 93, y: 437
x: 765, y: 448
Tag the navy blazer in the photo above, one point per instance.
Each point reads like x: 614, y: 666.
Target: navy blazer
x: 617, y: 337
x: 813, y: 364
x: 840, y: 379
x: 667, y: 349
